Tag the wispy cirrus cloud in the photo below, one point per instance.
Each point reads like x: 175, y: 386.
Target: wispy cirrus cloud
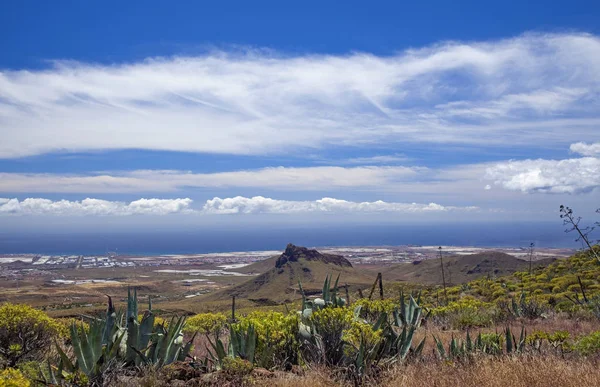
x: 535, y: 88
x: 299, y: 179
x: 215, y: 206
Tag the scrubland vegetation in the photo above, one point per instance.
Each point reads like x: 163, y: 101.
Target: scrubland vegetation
x: 533, y: 328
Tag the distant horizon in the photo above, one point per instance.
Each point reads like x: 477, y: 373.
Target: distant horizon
x: 205, y: 241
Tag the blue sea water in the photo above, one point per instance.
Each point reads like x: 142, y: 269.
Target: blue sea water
x: 206, y: 240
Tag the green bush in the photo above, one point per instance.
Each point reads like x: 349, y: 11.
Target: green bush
x: 588, y: 345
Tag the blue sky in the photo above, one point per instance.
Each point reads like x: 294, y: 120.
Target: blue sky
x: 353, y: 110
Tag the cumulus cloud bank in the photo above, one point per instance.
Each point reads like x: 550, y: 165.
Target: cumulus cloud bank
x: 586, y: 149
x: 38, y: 206
x: 261, y: 205
x: 235, y: 205
x: 551, y: 176
x: 535, y: 88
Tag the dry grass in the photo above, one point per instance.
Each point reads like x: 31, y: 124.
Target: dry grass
x: 514, y: 372
x: 509, y: 371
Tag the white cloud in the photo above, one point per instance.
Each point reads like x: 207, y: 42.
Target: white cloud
x: 235, y: 205
x: 375, y: 160
x: 259, y: 204
x: 586, y: 149
x: 39, y: 206
x: 551, y: 176
x: 299, y: 179
x: 535, y: 88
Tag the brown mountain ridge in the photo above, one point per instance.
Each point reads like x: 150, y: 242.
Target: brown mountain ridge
x: 460, y: 268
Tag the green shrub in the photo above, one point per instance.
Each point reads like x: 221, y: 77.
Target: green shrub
x: 25, y: 333
x: 588, y: 345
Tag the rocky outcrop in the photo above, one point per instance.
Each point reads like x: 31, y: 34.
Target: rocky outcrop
x: 293, y: 253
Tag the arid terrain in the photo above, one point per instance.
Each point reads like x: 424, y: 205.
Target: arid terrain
x: 70, y: 285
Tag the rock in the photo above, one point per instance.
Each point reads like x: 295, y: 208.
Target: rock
x: 293, y: 253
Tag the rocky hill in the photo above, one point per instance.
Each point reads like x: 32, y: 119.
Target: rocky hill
x: 280, y: 281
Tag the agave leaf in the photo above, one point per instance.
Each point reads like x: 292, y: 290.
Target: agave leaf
x: 78, y: 350
x: 420, y: 347
x: 403, y: 310
x: 356, y: 312
x: 407, y: 342
x: 132, y: 339
x: 440, y: 347
x: 469, y: 344
x: 380, y: 321
x: 51, y: 374
x: 509, y: 340
x: 111, y: 316
x: 360, y: 358
x: 146, y: 329
x: 326, y: 289
x: 185, y: 351
x: 142, y: 357
x: 304, y: 331
x: 64, y: 359
x: 114, y: 348
x: 251, y: 344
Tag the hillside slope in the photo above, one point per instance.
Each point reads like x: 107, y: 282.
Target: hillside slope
x: 280, y: 282
x: 460, y: 268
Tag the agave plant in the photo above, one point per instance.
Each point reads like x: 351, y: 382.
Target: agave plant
x: 512, y: 345
x: 408, y: 313
x: 242, y: 344
x: 399, y: 344
x: 329, y: 297
x: 458, y: 348
x: 109, y: 342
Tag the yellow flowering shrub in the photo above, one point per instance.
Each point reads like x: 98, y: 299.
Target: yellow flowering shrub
x: 277, y: 336
x: 466, y: 312
x: 332, y: 319
x: 11, y: 377
x: 330, y: 324
x: 65, y: 326
x: 25, y: 333
x: 362, y: 332
x: 372, y: 309
x: 206, y: 323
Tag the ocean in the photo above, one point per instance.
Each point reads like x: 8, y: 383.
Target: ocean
x: 207, y: 240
